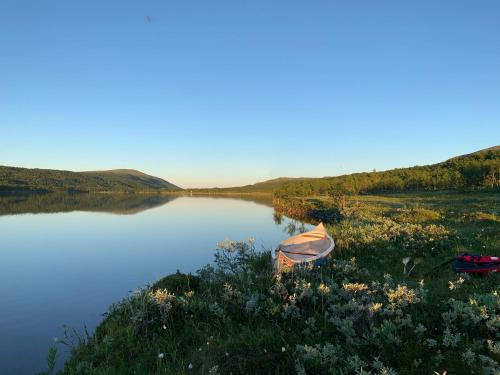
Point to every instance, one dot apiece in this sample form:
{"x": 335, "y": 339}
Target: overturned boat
{"x": 311, "y": 247}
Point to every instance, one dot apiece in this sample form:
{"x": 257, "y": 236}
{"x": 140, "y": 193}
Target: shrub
{"x": 244, "y": 318}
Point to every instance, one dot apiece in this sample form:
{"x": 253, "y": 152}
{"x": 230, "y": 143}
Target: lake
{"x": 66, "y": 258}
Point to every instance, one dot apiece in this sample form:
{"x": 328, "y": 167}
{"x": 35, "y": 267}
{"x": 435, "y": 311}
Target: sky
{"x": 231, "y": 92}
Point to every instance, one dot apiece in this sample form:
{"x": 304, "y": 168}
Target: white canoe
{"x": 313, "y": 246}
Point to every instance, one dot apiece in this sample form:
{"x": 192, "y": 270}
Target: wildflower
{"x": 415, "y": 262}
{"x": 160, "y": 296}
{"x": 306, "y": 290}
{"x": 227, "y": 244}
{"x": 355, "y": 287}
{"x": 402, "y": 296}
{"x": 164, "y": 326}
{"x": 375, "y": 307}
{"x": 323, "y": 289}
{"x": 283, "y": 349}
{"x": 493, "y": 346}
{"x": 405, "y": 262}
{"x": 190, "y": 366}
{"x": 484, "y": 312}
{"x": 161, "y": 355}
{"x": 214, "y": 370}
{"x": 457, "y": 283}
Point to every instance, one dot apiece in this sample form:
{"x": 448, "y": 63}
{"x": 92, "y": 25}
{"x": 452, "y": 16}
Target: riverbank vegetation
{"x": 373, "y": 309}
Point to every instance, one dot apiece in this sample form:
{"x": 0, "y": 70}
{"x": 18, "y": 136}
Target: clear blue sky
{"x": 206, "y": 93}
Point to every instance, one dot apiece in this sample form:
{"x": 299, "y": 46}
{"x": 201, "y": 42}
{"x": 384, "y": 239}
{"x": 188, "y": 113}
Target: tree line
{"x": 480, "y": 170}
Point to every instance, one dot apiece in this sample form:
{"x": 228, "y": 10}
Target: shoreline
{"x": 198, "y": 321}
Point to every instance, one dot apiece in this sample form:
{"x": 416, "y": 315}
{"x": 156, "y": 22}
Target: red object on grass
{"x": 473, "y": 263}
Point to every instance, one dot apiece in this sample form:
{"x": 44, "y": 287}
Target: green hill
{"x": 18, "y": 180}
{"x": 265, "y": 187}
{"x": 478, "y": 170}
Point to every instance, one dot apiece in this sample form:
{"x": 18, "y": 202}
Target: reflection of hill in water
{"x": 120, "y": 204}
{"x": 264, "y": 199}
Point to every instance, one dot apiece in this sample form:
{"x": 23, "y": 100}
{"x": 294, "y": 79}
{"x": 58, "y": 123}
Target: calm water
{"x": 65, "y": 259}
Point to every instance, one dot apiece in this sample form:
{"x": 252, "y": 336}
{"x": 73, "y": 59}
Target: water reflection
{"x": 66, "y": 259}
{"x": 121, "y": 204}
{"x": 294, "y": 227}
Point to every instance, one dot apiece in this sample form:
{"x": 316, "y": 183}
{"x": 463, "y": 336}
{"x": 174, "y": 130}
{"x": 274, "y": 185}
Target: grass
{"x": 364, "y": 312}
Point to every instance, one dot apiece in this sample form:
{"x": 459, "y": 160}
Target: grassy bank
{"x": 365, "y": 312}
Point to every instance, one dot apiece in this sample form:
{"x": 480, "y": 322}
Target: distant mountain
{"x": 265, "y": 187}
{"x": 269, "y": 185}
{"x": 17, "y": 180}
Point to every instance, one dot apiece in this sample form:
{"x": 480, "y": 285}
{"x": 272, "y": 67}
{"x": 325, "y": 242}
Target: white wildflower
{"x": 405, "y": 262}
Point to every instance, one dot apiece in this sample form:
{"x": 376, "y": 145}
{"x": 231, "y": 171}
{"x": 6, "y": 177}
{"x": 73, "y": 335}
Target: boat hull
{"x": 312, "y": 248}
